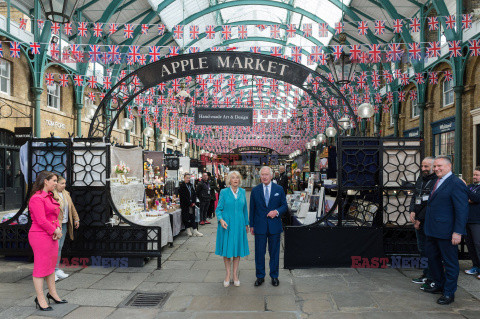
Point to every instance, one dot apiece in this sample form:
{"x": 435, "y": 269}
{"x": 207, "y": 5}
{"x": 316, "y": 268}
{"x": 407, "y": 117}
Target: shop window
{"x": 113, "y": 113}
{"x": 415, "y": 109}
{"x": 53, "y": 96}
{"x": 447, "y": 93}
{"x": 134, "y": 128}
{"x": 5, "y": 76}
{"x": 444, "y": 144}
{"x": 391, "y": 116}
{"x": 441, "y": 36}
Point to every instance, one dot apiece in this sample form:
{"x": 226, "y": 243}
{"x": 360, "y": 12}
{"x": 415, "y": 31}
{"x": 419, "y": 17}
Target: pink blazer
{"x": 44, "y": 211}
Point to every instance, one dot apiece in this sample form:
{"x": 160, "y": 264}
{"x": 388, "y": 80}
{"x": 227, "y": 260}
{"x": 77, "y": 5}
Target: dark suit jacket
{"x": 473, "y": 192}
{"x": 283, "y": 181}
{"x": 202, "y": 191}
{"x": 186, "y": 199}
{"x": 447, "y": 209}
{"x": 259, "y": 210}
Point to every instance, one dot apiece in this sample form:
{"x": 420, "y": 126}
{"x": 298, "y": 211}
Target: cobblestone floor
{"x": 194, "y": 276}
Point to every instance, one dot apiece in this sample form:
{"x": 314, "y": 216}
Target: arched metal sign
{"x": 253, "y": 149}
{"x": 194, "y": 64}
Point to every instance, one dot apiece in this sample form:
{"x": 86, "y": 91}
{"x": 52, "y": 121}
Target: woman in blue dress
{"x": 232, "y": 215}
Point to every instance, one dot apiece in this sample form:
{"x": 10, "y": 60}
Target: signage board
{"x": 223, "y": 116}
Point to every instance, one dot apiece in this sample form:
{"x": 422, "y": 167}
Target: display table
{"x": 162, "y": 221}
{"x": 126, "y": 192}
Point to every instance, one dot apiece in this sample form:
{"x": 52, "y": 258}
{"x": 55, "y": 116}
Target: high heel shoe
{"x": 49, "y": 296}
{"x": 37, "y": 305}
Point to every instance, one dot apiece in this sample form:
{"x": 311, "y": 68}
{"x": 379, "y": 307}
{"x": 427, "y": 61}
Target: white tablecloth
{"x": 132, "y": 191}
{"x": 160, "y": 221}
{"x": 177, "y": 221}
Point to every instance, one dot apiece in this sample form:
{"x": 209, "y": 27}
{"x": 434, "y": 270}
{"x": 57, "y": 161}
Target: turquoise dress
{"x": 232, "y": 242}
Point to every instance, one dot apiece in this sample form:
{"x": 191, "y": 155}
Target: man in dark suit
{"x": 418, "y": 208}
{"x": 187, "y": 195}
{"x": 473, "y": 224}
{"x": 283, "y": 180}
{"x": 445, "y": 220}
{"x": 204, "y": 195}
{"x": 267, "y": 204}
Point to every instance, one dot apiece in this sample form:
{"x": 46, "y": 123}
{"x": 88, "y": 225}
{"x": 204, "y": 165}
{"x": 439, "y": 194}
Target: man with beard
{"x": 418, "y": 207}
{"x": 283, "y": 180}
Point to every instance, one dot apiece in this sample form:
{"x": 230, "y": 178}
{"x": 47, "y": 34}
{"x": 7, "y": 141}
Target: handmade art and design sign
{"x": 223, "y": 116}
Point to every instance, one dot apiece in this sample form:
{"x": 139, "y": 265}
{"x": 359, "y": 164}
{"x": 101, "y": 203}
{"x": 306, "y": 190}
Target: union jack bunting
{"x": 98, "y": 29}
{"x": 414, "y": 25}
{"x": 291, "y": 30}
{"x": 433, "y": 49}
{"x": 49, "y": 78}
{"x": 67, "y": 28}
{"x": 419, "y": 78}
{"x": 307, "y": 30}
{"x": 474, "y": 47}
{"x": 242, "y": 32}
{"x": 63, "y": 79}
{"x": 379, "y": 27}
{"x": 433, "y": 77}
{"x": 466, "y": 21}
{"x": 210, "y": 32}
{"x": 55, "y": 28}
{"x": 397, "y": 26}
{"x": 448, "y": 75}
{"x": 226, "y": 32}
{"x": 339, "y": 27}
{"x": 178, "y": 32}
{"x": 362, "y": 27}
{"x": 323, "y": 30}
{"x": 145, "y": 28}
{"x": 414, "y": 51}
{"x": 454, "y": 48}
{"x": 35, "y": 48}
{"x": 432, "y": 23}
{"x": 82, "y": 29}
{"x": 194, "y": 32}
{"x": 297, "y": 54}
{"x": 154, "y": 53}
{"x": 112, "y": 28}
{"x": 161, "y": 29}
{"x": 450, "y": 21}
{"x": 128, "y": 31}
{"x": 23, "y": 24}
{"x": 275, "y": 31}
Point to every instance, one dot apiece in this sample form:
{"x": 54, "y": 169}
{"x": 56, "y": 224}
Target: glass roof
{"x": 227, "y": 12}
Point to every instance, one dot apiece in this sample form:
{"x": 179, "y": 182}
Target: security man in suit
{"x": 267, "y": 204}
{"x": 283, "y": 180}
{"x": 445, "y": 221}
{"x": 418, "y": 208}
{"x": 473, "y": 224}
{"x": 188, "y": 197}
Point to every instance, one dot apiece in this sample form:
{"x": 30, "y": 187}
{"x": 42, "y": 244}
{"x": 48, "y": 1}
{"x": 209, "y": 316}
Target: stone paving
{"x": 194, "y": 275}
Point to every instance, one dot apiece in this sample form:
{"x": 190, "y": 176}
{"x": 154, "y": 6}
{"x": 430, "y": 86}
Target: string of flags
{"x": 226, "y": 32}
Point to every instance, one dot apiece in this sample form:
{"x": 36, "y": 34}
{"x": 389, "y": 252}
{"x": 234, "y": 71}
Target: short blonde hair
{"x": 229, "y": 176}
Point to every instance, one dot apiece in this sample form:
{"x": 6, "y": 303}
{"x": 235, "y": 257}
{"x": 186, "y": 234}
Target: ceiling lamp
{"x": 184, "y": 101}
{"x": 344, "y": 122}
{"x": 331, "y": 131}
{"x": 58, "y": 11}
{"x": 314, "y": 143}
{"x": 148, "y": 132}
{"x": 365, "y": 110}
{"x": 286, "y": 139}
{"x": 308, "y": 146}
{"x": 126, "y": 124}
{"x": 321, "y": 138}
{"x": 342, "y": 68}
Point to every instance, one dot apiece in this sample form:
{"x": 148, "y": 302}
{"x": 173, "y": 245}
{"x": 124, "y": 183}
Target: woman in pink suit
{"x": 43, "y": 237}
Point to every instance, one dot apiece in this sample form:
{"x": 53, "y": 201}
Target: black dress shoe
{"x": 433, "y": 289}
{"x": 445, "y": 300}
{"x": 275, "y": 282}
{"x": 49, "y": 297}
{"x": 258, "y": 282}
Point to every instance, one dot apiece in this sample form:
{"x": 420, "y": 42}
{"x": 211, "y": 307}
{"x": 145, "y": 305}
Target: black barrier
{"x": 307, "y": 246}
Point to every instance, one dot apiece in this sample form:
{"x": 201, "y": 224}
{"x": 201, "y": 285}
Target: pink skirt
{"x": 45, "y": 253}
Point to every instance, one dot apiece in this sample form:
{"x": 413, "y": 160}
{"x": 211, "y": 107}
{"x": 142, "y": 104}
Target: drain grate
{"x": 146, "y": 300}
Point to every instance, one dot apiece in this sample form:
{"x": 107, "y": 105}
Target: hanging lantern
{"x": 344, "y": 122}
{"x": 126, "y": 124}
{"x": 286, "y": 139}
{"x": 148, "y": 132}
{"x": 321, "y": 138}
{"x": 58, "y": 11}
{"x": 314, "y": 143}
{"x": 308, "y": 146}
{"x": 331, "y": 131}
{"x": 215, "y": 134}
{"x": 365, "y": 110}
{"x": 343, "y": 68}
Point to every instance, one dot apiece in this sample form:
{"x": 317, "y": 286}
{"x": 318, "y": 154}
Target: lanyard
{"x": 475, "y": 188}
